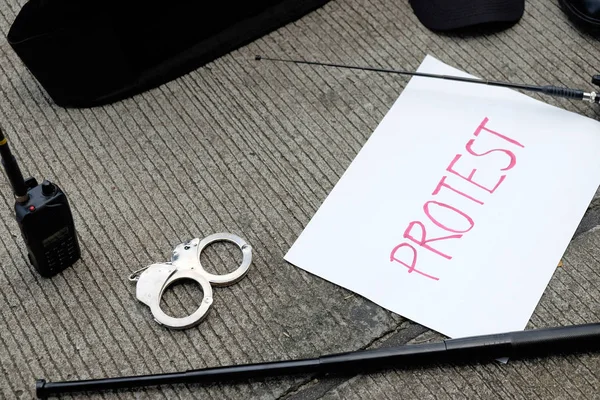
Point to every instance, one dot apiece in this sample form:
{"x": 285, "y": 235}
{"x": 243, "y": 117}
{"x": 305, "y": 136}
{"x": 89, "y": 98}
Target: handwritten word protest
{"x": 451, "y": 219}
{"x": 417, "y": 231}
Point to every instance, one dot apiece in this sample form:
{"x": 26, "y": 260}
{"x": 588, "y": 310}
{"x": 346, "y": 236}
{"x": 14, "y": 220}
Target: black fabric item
{"x": 447, "y": 15}
{"x": 92, "y": 52}
{"x": 584, "y": 13}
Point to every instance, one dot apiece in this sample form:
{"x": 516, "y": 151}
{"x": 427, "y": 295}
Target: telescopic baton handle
{"x": 521, "y": 344}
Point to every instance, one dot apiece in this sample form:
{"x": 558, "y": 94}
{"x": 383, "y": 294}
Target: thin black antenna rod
{"x": 13, "y": 172}
{"x": 548, "y": 89}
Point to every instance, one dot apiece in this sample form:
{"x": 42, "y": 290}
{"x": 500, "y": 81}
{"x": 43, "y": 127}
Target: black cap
{"x": 40, "y": 389}
{"x": 445, "y": 15}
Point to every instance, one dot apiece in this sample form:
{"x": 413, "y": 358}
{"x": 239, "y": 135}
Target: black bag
{"x": 93, "y": 52}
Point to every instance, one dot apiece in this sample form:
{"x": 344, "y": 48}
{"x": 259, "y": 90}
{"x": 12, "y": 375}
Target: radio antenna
{"x": 13, "y": 172}
{"x": 550, "y": 90}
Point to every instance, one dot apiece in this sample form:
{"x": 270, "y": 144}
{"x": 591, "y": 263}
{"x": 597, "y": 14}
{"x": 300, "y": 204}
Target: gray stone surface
{"x": 254, "y": 148}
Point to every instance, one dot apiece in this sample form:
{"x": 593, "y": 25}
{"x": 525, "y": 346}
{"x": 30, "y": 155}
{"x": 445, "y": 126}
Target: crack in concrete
{"x": 313, "y": 388}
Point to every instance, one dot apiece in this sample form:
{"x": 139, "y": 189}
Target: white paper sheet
{"x": 537, "y": 169}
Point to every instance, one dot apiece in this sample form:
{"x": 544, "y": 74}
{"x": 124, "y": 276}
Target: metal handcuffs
{"x": 153, "y": 280}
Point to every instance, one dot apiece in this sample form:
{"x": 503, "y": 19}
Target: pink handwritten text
{"x": 416, "y": 232}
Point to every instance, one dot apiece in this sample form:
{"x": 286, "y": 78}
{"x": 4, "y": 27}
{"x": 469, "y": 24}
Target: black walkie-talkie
{"x": 44, "y": 217}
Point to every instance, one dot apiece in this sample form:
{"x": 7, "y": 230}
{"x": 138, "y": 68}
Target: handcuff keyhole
{"x": 182, "y": 298}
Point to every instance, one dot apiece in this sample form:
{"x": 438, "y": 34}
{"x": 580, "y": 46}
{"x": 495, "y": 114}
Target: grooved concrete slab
{"x": 254, "y": 148}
